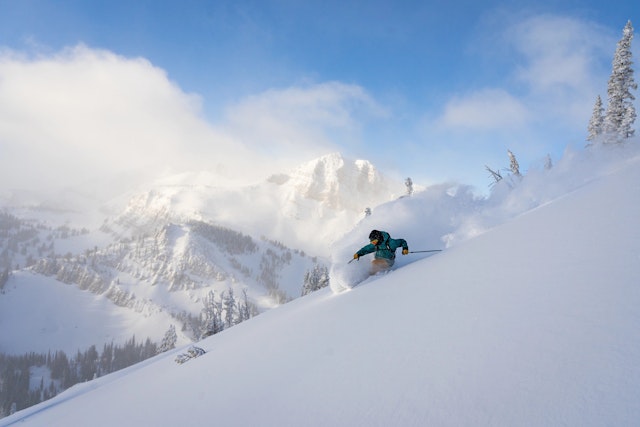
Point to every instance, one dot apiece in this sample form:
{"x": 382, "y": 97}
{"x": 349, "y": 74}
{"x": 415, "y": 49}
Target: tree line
{"x": 17, "y": 390}
{"x": 23, "y": 241}
{"x": 60, "y": 371}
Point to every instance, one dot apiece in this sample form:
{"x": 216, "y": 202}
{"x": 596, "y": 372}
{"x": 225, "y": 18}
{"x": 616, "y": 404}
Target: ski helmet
{"x": 375, "y": 235}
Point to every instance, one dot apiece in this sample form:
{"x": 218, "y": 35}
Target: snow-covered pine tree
{"x": 230, "y": 315}
{"x": 620, "y": 115}
{"x": 409, "y": 184}
{"x": 307, "y": 284}
{"x": 169, "y": 340}
{"x": 513, "y": 164}
{"x": 4, "y": 278}
{"x": 244, "y": 307}
{"x": 211, "y": 315}
{"x": 315, "y": 279}
{"x": 596, "y": 123}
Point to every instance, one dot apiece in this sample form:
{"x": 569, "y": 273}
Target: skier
{"x": 385, "y": 250}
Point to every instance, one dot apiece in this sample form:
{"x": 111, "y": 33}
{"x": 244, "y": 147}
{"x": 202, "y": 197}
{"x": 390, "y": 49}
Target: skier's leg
{"x": 380, "y": 264}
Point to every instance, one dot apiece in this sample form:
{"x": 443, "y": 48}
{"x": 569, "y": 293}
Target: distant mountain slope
{"x": 533, "y": 321}
{"x": 160, "y": 279}
{"x": 170, "y": 245}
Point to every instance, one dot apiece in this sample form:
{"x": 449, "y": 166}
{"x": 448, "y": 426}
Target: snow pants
{"x": 381, "y": 264}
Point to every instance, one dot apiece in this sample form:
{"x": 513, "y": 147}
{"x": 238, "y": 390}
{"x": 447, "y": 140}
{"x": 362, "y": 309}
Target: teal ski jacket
{"x": 384, "y": 249}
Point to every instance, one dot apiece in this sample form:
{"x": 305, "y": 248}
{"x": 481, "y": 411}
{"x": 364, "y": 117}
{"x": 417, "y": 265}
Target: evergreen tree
{"x": 88, "y": 363}
{"x": 169, "y": 340}
{"x": 106, "y": 360}
{"x": 315, "y": 279}
{"x": 212, "y": 316}
{"x": 596, "y": 123}
{"x": 18, "y": 391}
{"x": 409, "y": 184}
{"x": 244, "y": 307}
{"x": 514, "y": 166}
{"x": 621, "y": 114}
{"x": 4, "y": 278}
{"x": 229, "y": 308}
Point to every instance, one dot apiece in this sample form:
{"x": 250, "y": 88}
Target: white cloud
{"x": 546, "y": 71}
{"x": 485, "y": 110}
{"x": 565, "y": 64}
{"x": 84, "y": 114}
{"x": 560, "y": 52}
{"x": 302, "y": 120}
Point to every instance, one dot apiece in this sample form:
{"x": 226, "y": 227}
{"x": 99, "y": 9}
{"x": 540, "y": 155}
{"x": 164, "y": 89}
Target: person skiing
{"x": 385, "y": 250}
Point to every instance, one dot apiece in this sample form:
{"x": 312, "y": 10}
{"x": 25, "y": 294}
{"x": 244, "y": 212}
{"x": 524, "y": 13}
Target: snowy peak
{"x": 303, "y": 208}
{"x": 339, "y": 184}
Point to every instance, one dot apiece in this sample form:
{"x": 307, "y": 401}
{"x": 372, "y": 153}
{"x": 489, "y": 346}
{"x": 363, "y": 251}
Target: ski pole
{"x": 419, "y": 252}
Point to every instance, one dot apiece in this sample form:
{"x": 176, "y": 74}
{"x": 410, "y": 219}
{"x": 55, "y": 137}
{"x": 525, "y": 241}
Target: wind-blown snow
{"x": 529, "y": 317}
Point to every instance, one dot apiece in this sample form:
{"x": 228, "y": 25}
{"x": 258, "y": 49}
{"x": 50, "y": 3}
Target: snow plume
{"x": 423, "y": 220}
{"x": 513, "y": 196}
{"x": 445, "y": 215}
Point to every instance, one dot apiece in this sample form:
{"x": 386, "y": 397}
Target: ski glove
{"x": 356, "y": 256}
{"x": 405, "y": 251}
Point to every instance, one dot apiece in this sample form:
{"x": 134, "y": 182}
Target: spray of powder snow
{"x": 423, "y": 220}
{"x": 345, "y": 275}
{"x": 447, "y": 214}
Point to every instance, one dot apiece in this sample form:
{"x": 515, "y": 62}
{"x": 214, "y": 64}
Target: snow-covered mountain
{"x": 307, "y": 208}
{"x": 529, "y": 317}
{"x": 153, "y": 261}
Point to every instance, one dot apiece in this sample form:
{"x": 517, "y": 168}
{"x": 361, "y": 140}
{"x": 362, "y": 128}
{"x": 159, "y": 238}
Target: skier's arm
{"x": 365, "y": 250}
{"x": 403, "y": 243}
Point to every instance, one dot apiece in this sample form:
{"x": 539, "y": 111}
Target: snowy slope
{"x": 141, "y": 287}
{"x": 39, "y": 314}
{"x": 532, "y": 321}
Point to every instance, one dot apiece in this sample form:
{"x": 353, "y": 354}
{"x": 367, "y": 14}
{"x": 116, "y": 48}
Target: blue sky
{"x": 434, "y": 90}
